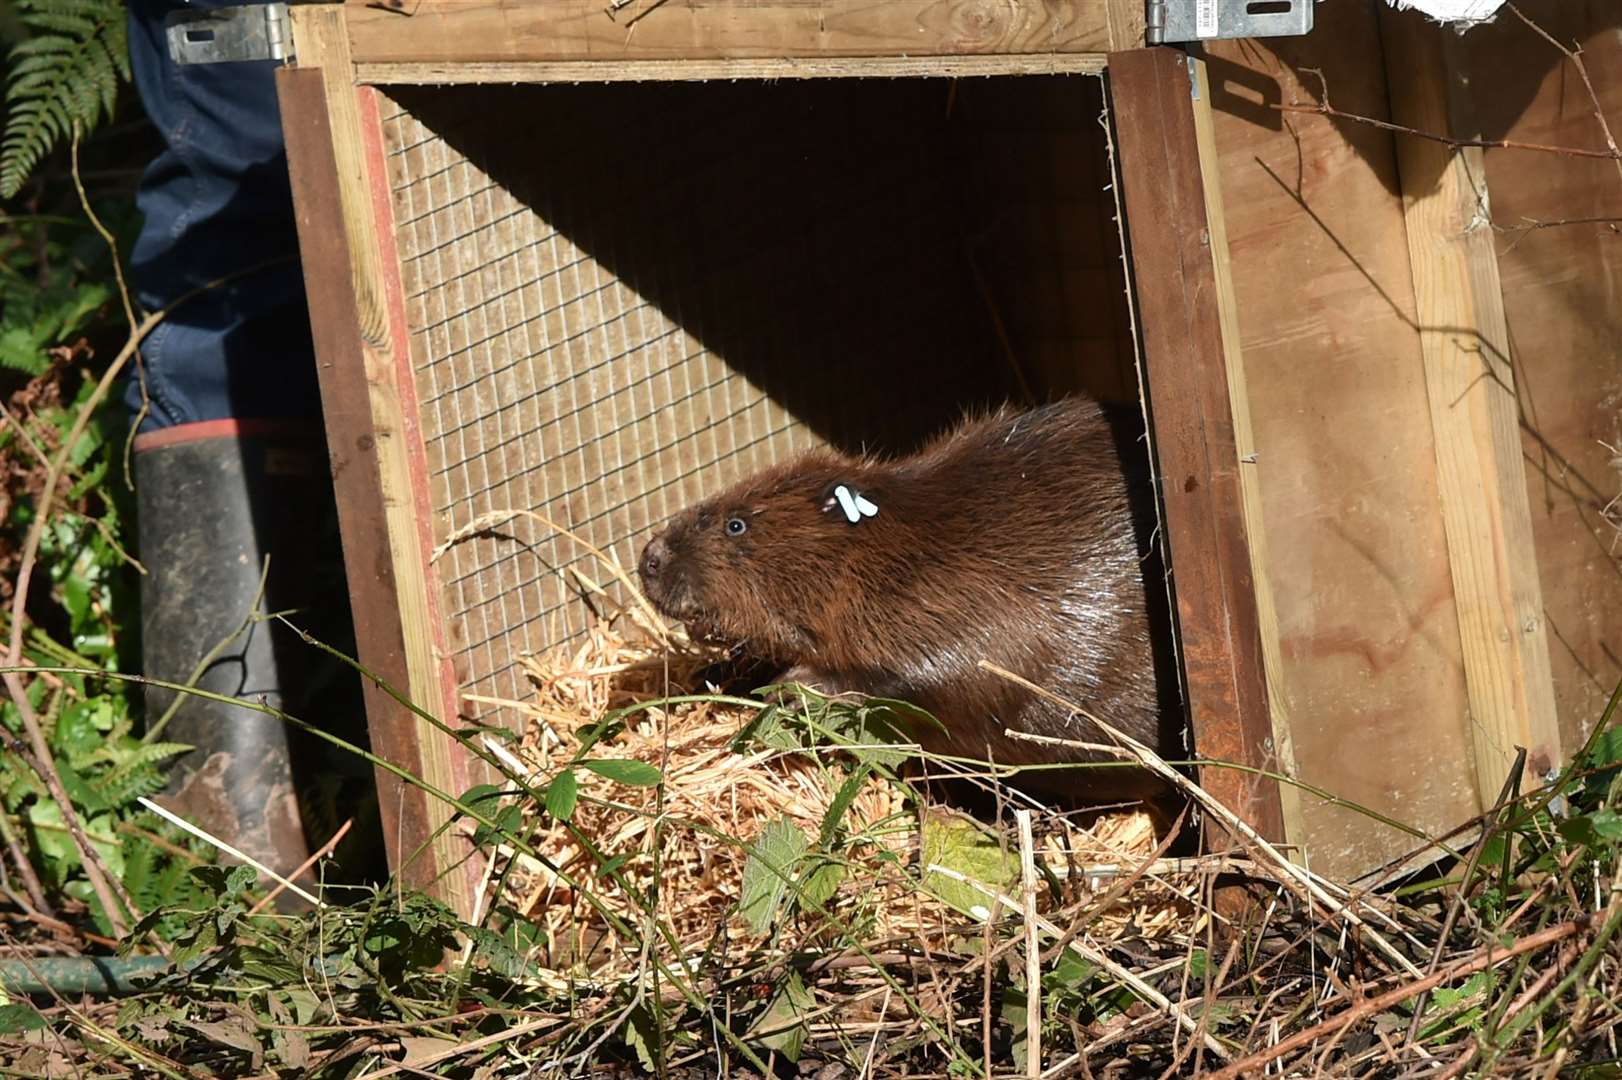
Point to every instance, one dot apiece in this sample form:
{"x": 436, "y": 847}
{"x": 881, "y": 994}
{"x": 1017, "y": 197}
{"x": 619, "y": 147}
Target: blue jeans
{"x": 216, "y": 203}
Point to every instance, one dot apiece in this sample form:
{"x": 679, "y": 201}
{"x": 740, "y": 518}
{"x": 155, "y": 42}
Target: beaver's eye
{"x": 737, "y": 526}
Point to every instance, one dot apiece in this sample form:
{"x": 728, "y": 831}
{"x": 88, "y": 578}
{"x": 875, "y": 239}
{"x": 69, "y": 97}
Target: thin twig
{"x": 1092, "y": 956}
{"x": 1033, "y": 946}
{"x": 1295, "y": 877}
{"x": 320, "y": 853}
{"x": 1574, "y": 54}
{"x": 1487, "y": 958}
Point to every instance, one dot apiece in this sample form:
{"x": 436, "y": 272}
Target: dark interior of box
{"x": 589, "y": 269}
{"x": 877, "y": 255}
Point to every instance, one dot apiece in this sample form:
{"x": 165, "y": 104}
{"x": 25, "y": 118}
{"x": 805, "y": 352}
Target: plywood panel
{"x": 1371, "y": 679}
{"x": 1563, "y": 303}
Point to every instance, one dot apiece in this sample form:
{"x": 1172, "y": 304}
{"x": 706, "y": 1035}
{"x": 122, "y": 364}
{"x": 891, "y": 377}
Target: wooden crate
{"x": 597, "y": 302}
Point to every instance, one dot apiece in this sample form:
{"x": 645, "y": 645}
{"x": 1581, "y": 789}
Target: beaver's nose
{"x": 655, "y": 557}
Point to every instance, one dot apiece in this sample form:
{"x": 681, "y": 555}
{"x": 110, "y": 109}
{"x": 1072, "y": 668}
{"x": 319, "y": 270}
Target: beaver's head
{"x": 771, "y": 563}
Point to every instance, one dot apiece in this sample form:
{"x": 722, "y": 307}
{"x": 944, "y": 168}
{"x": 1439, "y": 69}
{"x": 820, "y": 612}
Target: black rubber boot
{"x": 215, "y": 498}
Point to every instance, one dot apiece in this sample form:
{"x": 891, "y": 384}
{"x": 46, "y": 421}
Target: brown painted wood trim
{"x": 351, "y": 442}
{"x": 1175, "y": 280}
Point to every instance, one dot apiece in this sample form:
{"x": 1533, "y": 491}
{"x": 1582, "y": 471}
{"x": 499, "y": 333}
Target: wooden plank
{"x": 1127, "y": 19}
{"x": 602, "y": 31}
{"x": 451, "y": 72}
{"x": 1565, "y": 316}
{"x": 398, "y": 514}
{"x": 1183, "y": 358}
{"x": 351, "y": 438}
{"x": 1474, "y": 411}
{"x": 1280, "y": 753}
{"x": 1371, "y": 679}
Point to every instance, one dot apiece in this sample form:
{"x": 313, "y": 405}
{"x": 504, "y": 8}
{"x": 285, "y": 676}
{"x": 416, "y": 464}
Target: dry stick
{"x": 1301, "y": 882}
{"x": 1093, "y": 956}
{"x": 1033, "y": 946}
{"x": 1575, "y": 56}
{"x": 1487, "y": 958}
{"x": 322, "y": 852}
{"x": 209, "y": 838}
{"x": 1511, "y": 782}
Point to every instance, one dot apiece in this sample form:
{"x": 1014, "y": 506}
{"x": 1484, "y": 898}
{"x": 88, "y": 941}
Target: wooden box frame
{"x": 1175, "y": 155}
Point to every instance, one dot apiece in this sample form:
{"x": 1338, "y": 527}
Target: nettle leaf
{"x": 783, "y": 1024}
{"x": 235, "y": 1031}
{"x": 960, "y": 845}
{"x": 1595, "y": 829}
{"x": 840, "y": 805}
{"x": 225, "y": 882}
{"x": 507, "y": 823}
{"x": 642, "y": 1037}
{"x": 768, "y": 872}
{"x": 625, "y": 771}
{"x": 820, "y": 880}
{"x": 562, "y": 795}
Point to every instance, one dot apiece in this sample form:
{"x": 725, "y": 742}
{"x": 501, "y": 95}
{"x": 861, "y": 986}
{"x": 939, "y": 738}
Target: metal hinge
{"x": 1169, "y": 21}
{"x": 223, "y": 35}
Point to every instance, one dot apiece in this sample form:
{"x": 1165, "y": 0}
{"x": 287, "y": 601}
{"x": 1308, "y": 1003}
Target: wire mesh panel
{"x": 547, "y": 384}
{"x": 623, "y": 298}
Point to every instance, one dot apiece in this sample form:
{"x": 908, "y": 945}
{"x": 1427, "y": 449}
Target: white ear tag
{"x": 855, "y": 506}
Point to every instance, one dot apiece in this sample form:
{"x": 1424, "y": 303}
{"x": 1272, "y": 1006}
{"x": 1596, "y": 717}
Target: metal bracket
{"x": 229, "y": 34}
{"x": 1205, "y": 20}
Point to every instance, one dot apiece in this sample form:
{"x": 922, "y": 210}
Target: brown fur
{"x": 1019, "y": 538}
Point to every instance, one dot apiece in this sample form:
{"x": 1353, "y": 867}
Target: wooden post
{"x": 1475, "y": 415}
{"x": 1186, "y": 360}
{"x": 357, "y": 319}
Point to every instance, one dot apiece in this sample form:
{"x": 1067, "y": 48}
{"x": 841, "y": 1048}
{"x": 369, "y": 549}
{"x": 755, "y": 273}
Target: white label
{"x": 1205, "y": 18}
{"x": 1465, "y": 11}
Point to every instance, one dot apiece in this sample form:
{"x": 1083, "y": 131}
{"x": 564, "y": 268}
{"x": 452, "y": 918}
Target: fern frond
{"x": 67, "y": 74}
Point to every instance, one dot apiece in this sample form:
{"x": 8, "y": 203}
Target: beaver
{"x": 1022, "y": 538}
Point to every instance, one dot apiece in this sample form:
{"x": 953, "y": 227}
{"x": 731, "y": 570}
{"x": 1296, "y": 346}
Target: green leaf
{"x": 562, "y": 795}
{"x": 768, "y": 871}
{"x": 481, "y": 797}
{"x": 840, "y": 805}
{"x": 18, "y": 1017}
{"x": 642, "y": 1036}
{"x": 1594, "y": 830}
{"x": 1071, "y": 972}
{"x": 1607, "y": 747}
{"x": 783, "y": 1024}
{"x": 225, "y": 882}
{"x": 820, "y": 880}
{"x": 625, "y": 771}
{"x": 960, "y": 845}
{"x": 1012, "y": 1011}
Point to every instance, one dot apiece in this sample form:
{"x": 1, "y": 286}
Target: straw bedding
{"x": 717, "y": 797}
